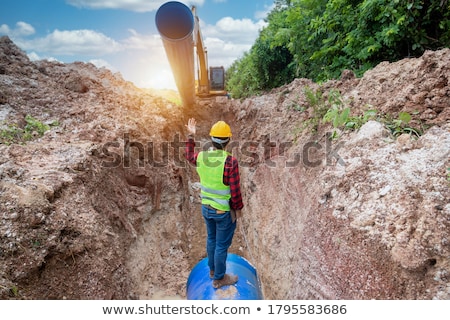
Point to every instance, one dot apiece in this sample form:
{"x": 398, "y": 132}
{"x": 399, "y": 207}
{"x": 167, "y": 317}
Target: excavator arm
{"x": 202, "y": 57}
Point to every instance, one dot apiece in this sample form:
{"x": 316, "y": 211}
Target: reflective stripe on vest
{"x": 221, "y": 192}
{"x": 210, "y": 167}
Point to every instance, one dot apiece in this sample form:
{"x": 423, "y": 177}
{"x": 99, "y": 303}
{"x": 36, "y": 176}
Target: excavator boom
{"x": 203, "y": 81}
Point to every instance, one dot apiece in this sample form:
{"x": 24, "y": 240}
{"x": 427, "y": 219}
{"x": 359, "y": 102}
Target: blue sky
{"x": 121, "y": 34}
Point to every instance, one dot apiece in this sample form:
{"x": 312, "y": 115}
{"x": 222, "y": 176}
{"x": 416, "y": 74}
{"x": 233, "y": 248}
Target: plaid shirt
{"x": 231, "y": 175}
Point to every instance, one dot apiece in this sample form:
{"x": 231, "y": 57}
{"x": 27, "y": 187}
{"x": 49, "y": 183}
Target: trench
{"x": 137, "y": 230}
{"x": 298, "y": 249}
{"x": 171, "y": 238}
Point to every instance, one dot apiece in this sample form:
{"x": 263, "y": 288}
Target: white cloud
{"x": 73, "y": 42}
{"x": 234, "y": 30}
{"x": 223, "y": 53}
{"x": 229, "y": 38}
{"x": 100, "y": 63}
{"x": 24, "y": 29}
{"x": 21, "y": 29}
{"x": 132, "y": 5}
{"x": 190, "y": 3}
{"x": 142, "y": 42}
{"x": 4, "y": 29}
{"x": 263, "y": 14}
{"x": 33, "y": 56}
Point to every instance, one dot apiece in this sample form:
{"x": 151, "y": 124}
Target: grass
{"x": 401, "y": 125}
{"x": 319, "y": 105}
{"x": 33, "y": 128}
{"x": 335, "y": 110}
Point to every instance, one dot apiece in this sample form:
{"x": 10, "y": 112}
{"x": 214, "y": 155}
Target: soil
{"x": 104, "y": 205}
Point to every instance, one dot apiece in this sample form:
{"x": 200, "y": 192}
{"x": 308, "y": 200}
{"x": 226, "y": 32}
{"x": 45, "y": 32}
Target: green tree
{"x": 241, "y": 79}
{"x": 296, "y": 35}
{"x": 267, "y": 65}
{"x": 317, "y": 39}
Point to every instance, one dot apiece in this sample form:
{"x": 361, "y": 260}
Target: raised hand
{"x": 191, "y": 126}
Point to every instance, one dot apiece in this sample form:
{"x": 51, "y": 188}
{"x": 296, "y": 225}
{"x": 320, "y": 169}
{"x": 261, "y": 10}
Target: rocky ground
{"x": 103, "y": 206}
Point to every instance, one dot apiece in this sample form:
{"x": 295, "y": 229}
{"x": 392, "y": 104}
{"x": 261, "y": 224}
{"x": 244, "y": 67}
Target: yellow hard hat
{"x": 220, "y": 129}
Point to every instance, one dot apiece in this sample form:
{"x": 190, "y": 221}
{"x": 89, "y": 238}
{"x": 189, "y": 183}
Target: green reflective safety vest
{"x": 210, "y": 168}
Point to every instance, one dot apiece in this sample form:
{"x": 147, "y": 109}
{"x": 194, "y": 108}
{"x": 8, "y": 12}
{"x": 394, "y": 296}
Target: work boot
{"x": 225, "y": 281}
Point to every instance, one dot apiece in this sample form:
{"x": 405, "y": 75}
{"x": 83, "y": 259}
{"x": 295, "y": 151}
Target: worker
{"x": 221, "y": 197}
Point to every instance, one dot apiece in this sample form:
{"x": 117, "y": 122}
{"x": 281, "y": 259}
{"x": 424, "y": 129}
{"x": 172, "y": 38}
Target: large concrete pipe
{"x": 175, "y": 24}
{"x": 199, "y": 284}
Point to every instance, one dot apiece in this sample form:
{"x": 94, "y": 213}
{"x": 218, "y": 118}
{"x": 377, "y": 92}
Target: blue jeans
{"x": 220, "y": 232}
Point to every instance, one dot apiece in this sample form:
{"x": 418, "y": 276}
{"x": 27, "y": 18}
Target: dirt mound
{"x": 75, "y": 199}
{"x": 362, "y": 216}
{"x": 97, "y": 201}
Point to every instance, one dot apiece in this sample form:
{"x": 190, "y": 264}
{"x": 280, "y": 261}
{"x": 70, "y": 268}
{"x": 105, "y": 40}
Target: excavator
{"x": 179, "y": 28}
